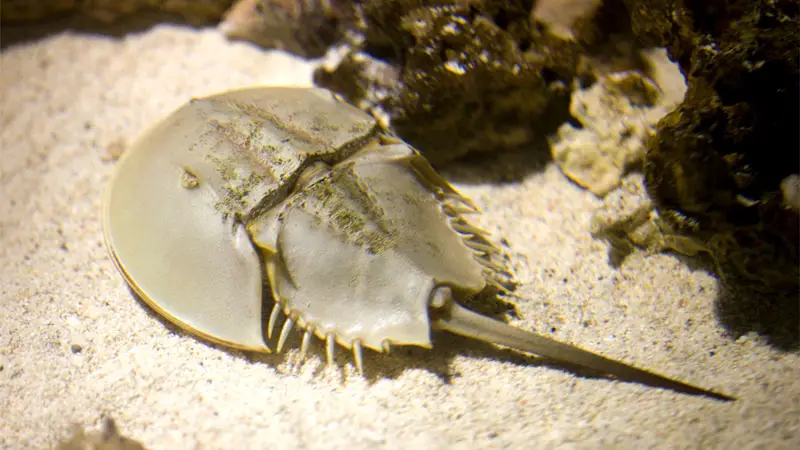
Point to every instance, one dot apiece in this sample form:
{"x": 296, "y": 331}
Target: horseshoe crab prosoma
{"x": 361, "y": 243}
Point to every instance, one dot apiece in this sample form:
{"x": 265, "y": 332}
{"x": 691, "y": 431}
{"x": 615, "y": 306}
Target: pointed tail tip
{"x": 721, "y": 397}
{"x": 459, "y": 320}
{"x": 658, "y": 381}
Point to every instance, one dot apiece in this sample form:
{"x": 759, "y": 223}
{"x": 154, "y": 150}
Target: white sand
{"x": 69, "y": 99}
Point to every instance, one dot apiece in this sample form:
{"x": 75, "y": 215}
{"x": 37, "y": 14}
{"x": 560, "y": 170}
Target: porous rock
{"x": 616, "y": 116}
{"x": 716, "y": 166}
{"x": 455, "y": 77}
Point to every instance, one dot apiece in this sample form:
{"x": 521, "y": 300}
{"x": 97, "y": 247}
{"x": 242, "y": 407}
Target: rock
{"x": 458, "y": 77}
{"x": 108, "y": 11}
{"x": 305, "y": 28}
{"x": 617, "y": 115}
{"x": 716, "y": 166}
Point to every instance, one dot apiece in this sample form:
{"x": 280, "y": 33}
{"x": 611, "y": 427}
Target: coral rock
{"x": 461, "y": 77}
{"x": 617, "y": 115}
{"x": 716, "y": 167}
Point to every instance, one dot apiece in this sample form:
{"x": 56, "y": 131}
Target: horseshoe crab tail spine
{"x": 489, "y": 264}
{"x": 459, "y": 320}
{"x": 287, "y": 327}
{"x": 358, "y": 356}
{"x": 329, "y": 342}
{"x": 481, "y": 247}
{"x": 273, "y": 318}
{"x": 306, "y": 341}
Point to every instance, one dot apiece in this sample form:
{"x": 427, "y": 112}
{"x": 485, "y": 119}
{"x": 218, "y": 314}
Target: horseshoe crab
{"x": 361, "y": 243}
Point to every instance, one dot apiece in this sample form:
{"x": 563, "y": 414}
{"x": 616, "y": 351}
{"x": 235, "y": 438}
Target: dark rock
{"x": 456, "y": 77}
{"x": 716, "y": 166}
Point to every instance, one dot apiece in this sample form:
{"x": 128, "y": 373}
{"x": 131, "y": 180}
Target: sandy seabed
{"x": 75, "y": 344}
